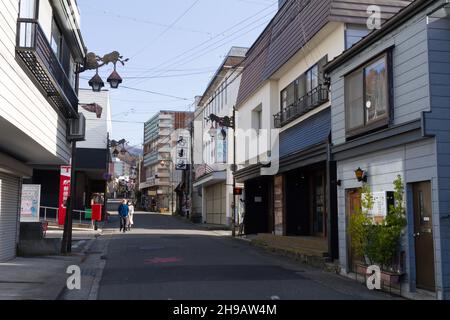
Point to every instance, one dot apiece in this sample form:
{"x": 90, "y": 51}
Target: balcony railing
{"x": 311, "y": 100}
{"x": 36, "y": 53}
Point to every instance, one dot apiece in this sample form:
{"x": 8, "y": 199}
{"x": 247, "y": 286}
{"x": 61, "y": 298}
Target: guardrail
{"x": 49, "y": 217}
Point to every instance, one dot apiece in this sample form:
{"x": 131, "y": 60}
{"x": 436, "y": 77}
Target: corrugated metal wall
{"x": 306, "y": 134}
{"x": 9, "y": 211}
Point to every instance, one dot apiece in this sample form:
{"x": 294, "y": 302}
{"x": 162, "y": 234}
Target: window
{"x": 27, "y": 9}
{"x": 367, "y": 97}
{"x": 288, "y": 96}
{"x": 304, "y": 84}
{"x": 56, "y": 40}
{"x": 312, "y": 78}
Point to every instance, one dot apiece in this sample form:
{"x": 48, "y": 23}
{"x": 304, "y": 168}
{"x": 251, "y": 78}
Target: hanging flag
{"x": 93, "y": 107}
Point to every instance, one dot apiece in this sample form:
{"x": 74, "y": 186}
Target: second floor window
{"x": 367, "y": 97}
{"x": 56, "y": 40}
{"x": 303, "y": 85}
{"x": 27, "y": 9}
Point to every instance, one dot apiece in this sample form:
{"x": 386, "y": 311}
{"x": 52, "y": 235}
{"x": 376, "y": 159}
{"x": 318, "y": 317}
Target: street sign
{"x": 182, "y": 153}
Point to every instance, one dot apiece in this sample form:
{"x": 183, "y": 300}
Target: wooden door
{"x": 353, "y": 206}
{"x": 423, "y": 235}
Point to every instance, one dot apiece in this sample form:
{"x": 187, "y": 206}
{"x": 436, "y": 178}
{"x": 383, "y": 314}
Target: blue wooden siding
{"x": 438, "y": 123}
{"x": 307, "y": 133}
{"x": 354, "y": 33}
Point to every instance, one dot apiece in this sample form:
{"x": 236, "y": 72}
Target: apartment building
{"x": 214, "y": 146}
{"x": 40, "y": 47}
{"x": 158, "y": 188}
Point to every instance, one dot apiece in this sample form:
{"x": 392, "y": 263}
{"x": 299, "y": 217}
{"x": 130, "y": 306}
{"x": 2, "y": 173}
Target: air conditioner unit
{"x": 76, "y": 129}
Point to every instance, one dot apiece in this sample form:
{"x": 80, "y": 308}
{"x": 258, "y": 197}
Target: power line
{"x": 156, "y": 93}
{"x": 198, "y": 46}
{"x": 166, "y": 29}
{"x": 138, "y": 20}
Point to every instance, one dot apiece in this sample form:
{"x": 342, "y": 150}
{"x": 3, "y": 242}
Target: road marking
{"x": 275, "y": 298}
{"x": 158, "y": 260}
{"x": 79, "y": 243}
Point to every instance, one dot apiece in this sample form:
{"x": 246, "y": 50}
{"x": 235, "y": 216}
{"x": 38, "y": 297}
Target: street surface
{"x": 164, "y": 258}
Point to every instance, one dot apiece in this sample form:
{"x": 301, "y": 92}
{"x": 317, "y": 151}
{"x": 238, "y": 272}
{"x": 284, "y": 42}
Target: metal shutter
{"x": 9, "y": 211}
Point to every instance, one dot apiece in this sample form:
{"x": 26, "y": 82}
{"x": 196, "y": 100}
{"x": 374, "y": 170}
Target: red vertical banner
{"x": 64, "y": 193}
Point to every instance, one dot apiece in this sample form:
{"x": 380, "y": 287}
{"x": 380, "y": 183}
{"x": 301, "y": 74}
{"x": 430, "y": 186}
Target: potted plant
{"x": 378, "y": 242}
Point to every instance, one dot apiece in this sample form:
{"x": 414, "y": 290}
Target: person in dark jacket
{"x": 123, "y": 215}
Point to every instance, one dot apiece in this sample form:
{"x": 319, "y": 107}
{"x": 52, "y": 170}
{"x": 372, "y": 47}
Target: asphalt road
{"x": 165, "y": 258}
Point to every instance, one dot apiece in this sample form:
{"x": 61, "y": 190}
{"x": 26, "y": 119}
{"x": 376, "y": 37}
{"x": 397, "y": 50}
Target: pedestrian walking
{"x": 123, "y": 215}
{"x": 130, "y": 215}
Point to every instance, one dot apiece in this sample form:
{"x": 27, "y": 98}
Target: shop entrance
{"x": 306, "y": 202}
{"x": 258, "y": 206}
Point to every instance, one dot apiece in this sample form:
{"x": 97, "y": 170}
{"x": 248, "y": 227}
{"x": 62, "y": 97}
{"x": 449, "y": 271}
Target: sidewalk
{"x": 42, "y": 278}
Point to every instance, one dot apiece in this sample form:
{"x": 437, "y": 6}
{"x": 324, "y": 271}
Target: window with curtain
{"x": 367, "y": 97}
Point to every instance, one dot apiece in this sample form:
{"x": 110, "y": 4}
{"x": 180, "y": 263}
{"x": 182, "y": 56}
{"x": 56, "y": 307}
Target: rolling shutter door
{"x": 9, "y": 211}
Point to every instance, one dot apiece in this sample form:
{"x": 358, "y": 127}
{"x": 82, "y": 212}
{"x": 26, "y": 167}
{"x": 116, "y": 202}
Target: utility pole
{"x": 233, "y": 221}
{"x": 66, "y": 244}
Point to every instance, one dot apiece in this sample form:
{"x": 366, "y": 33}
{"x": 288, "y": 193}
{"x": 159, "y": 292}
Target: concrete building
{"x": 398, "y": 124}
{"x": 214, "y": 153}
{"x": 40, "y": 47}
{"x": 158, "y": 187}
{"x": 93, "y": 156}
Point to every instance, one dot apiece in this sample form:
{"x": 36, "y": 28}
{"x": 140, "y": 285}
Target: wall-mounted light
{"x": 361, "y": 175}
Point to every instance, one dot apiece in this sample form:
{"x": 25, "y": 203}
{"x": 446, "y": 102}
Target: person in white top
{"x": 130, "y": 215}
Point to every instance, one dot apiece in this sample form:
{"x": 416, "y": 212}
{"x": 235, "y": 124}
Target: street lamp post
{"x": 228, "y": 122}
{"x": 91, "y": 62}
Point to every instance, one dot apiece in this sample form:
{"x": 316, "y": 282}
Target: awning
{"x": 211, "y": 178}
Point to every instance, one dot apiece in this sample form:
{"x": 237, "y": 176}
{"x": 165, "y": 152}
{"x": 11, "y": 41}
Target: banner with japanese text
{"x": 64, "y": 193}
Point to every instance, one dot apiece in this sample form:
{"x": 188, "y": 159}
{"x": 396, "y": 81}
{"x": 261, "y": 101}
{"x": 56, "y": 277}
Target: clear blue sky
{"x": 156, "y": 36}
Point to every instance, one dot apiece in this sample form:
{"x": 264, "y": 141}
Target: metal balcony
{"x": 36, "y": 53}
{"x": 311, "y": 100}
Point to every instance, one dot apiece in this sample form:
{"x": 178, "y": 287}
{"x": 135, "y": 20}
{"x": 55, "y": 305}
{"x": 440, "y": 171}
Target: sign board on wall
{"x": 64, "y": 193}
{"x": 30, "y": 203}
{"x": 381, "y": 202}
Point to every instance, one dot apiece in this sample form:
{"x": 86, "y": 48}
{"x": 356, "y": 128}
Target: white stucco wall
{"x": 96, "y": 129}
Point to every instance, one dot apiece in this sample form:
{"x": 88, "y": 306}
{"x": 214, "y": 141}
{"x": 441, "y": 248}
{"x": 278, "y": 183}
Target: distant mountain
{"x": 135, "y": 151}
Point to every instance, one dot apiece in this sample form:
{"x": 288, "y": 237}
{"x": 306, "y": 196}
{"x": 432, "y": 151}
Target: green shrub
{"x": 378, "y": 243}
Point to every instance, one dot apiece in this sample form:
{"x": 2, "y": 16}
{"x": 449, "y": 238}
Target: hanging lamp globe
{"x": 96, "y": 83}
{"x": 114, "y": 80}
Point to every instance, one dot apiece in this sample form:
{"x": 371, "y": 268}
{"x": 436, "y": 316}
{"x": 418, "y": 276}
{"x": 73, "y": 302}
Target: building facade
{"x": 93, "y": 156}
{"x": 285, "y": 119}
{"x": 214, "y": 144}
{"x": 157, "y": 189}
{"x": 40, "y": 48}
{"x": 390, "y": 111}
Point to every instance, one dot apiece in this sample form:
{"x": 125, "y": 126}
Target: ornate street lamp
{"x": 96, "y": 83}
{"x": 94, "y": 62}
{"x": 114, "y": 79}
{"x": 227, "y": 122}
